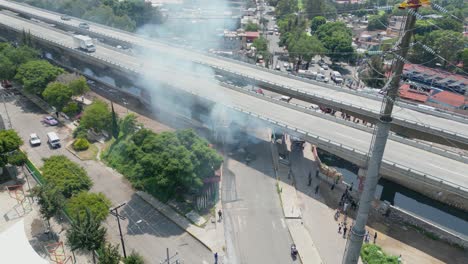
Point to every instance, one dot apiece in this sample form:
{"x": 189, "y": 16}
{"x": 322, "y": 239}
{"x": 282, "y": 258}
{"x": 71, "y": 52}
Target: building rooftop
{"x": 252, "y": 34}
{"x": 406, "y": 92}
{"x": 447, "y": 98}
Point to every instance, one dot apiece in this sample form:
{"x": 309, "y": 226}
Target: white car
{"x": 34, "y": 140}
{"x": 325, "y": 66}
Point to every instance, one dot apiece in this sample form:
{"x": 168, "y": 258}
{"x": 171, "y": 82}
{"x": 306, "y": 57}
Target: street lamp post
{"x": 114, "y": 211}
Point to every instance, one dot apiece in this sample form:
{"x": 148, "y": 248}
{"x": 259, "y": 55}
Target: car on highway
{"x": 66, "y": 17}
{"x": 285, "y": 98}
{"x": 84, "y": 26}
{"x": 34, "y": 140}
{"x": 50, "y": 121}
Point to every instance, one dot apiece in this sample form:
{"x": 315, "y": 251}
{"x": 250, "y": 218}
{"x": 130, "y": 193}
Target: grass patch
{"x": 35, "y": 172}
{"x": 89, "y": 154}
{"x": 106, "y": 148}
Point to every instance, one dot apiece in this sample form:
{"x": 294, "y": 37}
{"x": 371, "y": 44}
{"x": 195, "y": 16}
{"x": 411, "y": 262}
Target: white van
{"x": 336, "y": 77}
{"x": 53, "y": 140}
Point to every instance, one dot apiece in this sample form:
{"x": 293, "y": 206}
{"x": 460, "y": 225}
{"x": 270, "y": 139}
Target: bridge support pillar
{"x": 361, "y": 178}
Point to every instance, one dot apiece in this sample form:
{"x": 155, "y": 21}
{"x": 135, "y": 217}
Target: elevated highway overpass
{"x": 414, "y": 167}
{"x": 408, "y": 119}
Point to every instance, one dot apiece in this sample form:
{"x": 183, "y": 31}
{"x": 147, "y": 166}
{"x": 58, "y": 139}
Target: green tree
{"x": 86, "y": 233}
{"x": 68, "y": 177}
{"x": 79, "y": 86}
{"x": 71, "y": 109}
{"x": 35, "y": 75}
{"x": 374, "y": 75}
{"x": 97, "y": 116}
{"x": 317, "y": 22}
{"x": 373, "y": 254}
{"x": 251, "y": 27}
{"x": 109, "y": 254}
{"x": 314, "y": 8}
{"x": 465, "y": 59}
{"x": 337, "y": 39}
{"x": 7, "y": 68}
{"x": 57, "y": 94}
{"x": 134, "y": 258}
{"x": 305, "y": 47}
{"x": 128, "y": 124}
{"x": 447, "y": 43}
{"x": 97, "y": 203}
{"x": 115, "y": 122}
{"x": 20, "y": 55}
{"x": 261, "y": 44}
{"x": 10, "y": 142}
{"x": 286, "y": 7}
{"x": 378, "y": 22}
{"x": 50, "y": 200}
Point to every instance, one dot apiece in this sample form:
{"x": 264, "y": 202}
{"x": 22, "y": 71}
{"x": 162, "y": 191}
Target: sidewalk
{"x": 308, "y": 252}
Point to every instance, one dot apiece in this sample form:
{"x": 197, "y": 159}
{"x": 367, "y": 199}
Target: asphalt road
{"x": 196, "y": 80}
{"x": 254, "y": 227}
{"x": 187, "y": 54}
{"x": 150, "y": 236}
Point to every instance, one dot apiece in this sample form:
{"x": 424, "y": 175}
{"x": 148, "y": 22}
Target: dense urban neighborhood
{"x": 234, "y": 131}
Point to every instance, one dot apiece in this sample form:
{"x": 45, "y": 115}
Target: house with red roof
{"x": 449, "y": 100}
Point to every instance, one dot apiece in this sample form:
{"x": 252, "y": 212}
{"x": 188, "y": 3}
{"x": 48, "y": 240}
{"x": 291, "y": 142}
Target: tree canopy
{"x": 317, "y": 22}
{"x": 97, "y": 116}
{"x": 251, "y": 27}
{"x": 36, "y": 74}
{"x": 314, "y": 8}
{"x": 10, "y": 142}
{"x": 68, "y": 177}
{"x": 134, "y": 258}
{"x": 337, "y": 39}
{"x": 50, "y": 199}
{"x": 97, "y": 203}
{"x": 86, "y": 233}
{"x": 378, "y": 22}
{"x": 57, "y": 95}
{"x": 305, "y": 47}
{"x": 373, "y": 76}
{"x": 166, "y": 163}
{"x": 79, "y": 86}
{"x": 123, "y": 14}
{"x": 11, "y": 58}
{"x": 109, "y": 254}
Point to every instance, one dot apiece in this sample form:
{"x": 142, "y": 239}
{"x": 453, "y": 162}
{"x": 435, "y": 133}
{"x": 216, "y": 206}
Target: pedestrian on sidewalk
{"x": 216, "y": 257}
{"x": 333, "y": 186}
{"x": 345, "y": 229}
{"x": 317, "y": 189}
{"x": 366, "y": 236}
{"x": 375, "y": 236}
{"x": 289, "y": 173}
{"x": 220, "y": 215}
{"x": 339, "y": 228}
{"x": 351, "y": 188}
{"x": 317, "y": 174}
{"x": 310, "y": 178}
{"x": 400, "y": 260}
{"x": 350, "y": 228}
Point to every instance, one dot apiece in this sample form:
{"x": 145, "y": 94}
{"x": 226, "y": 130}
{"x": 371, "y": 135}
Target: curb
{"x": 141, "y": 195}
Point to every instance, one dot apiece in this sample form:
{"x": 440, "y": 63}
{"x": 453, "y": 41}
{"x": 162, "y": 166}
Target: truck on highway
{"x": 84, "y": 43}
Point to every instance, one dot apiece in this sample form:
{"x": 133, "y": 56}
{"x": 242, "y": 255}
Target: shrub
{"x": 97, "y": 203}
{"x": 81, "y": 144}
{"x": 373, "y": 254}
{"x": 71, "y": 109}
{"x": 80, "y": 132}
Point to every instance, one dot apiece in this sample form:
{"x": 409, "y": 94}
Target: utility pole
{"x": 377, "y": 147}
{"x": 114, "y": 211}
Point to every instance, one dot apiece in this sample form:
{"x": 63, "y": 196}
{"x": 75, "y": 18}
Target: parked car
{"x": 285, "y": 98}
{"x": 278, "y": 67}
{"x": 325, "y": 66}
{"x": 84, "y": 26}
{"x": 34, "y": 140}
{"x": 65, "y": 17}
{"x": 50, "y": 121}
{"x": 53, "y": 140}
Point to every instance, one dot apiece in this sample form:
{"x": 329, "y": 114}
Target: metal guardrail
{"x": 321, "y": 141}
{"x": 304, "y": 109}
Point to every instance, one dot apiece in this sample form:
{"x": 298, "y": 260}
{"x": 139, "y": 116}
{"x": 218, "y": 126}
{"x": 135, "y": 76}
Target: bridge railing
{"x": 354, "y": 155}
{"x": 334, "y": 87}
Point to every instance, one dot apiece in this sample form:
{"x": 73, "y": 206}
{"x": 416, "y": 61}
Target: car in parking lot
{"x": 50, "y": 121}
{"x": 66, "y": 17}
{"x": 34, "y": 140}
{"x": 84, "y": 26}
{"x": 325, "y": 66}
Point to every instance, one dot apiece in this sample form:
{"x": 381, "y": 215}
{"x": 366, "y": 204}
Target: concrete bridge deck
{"x": 444, "y": 126}
{"x": 401, "y": 160}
